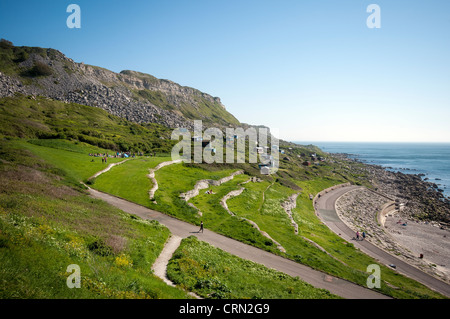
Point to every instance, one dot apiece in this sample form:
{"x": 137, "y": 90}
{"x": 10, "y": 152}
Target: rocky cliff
{"x": 135, "y": 96}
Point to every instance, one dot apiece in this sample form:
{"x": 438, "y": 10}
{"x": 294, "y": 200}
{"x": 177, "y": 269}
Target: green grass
{"x": 129, "y": 180}
{"x": 216, "y": 218}
{"x": 47, "y": 224}
{"x": 77, "y": 165}
{"x": 43, "y": 169}
{"x": 43, "y": 118}
{"x": 176, "y": 179}
{"x": 349, "y": 263}
{"x": 213, "y": 273}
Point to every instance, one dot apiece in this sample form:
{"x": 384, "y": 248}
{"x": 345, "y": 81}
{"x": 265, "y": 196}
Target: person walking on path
{"x": 201, "y": 227}
{"x": 357, "y": 235}
{"x": 363, "y": 235}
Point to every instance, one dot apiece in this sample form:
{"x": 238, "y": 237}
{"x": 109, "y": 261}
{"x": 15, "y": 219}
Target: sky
{"x": 312, "y": 70}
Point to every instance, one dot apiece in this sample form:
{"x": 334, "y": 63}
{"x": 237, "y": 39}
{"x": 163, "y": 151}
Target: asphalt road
{"x": 325, "y": 206}
{"x": 182, "y": 229}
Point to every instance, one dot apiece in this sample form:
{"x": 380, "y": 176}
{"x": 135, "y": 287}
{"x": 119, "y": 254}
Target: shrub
{"x": 100, "y": 248}
{"x": 21, "y": 56}
{"x": 40, "y": 69}
{"x": 5, "y": 44}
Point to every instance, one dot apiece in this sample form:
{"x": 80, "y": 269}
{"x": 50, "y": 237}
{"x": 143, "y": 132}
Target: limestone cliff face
{"x": 132, "y": 95}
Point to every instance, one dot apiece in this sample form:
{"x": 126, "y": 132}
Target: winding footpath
{"x": 106, "y": 169}
{"x": 238, "y": 192}
{"x": 182, "y": 229}
{"x": 151, "y": 175}
{"x": 325, "y": 206}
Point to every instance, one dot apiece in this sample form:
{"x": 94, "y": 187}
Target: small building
{"x": 307, "y": 163}
{"x": 259, "y": 150}
{"x": 265, "y": 170}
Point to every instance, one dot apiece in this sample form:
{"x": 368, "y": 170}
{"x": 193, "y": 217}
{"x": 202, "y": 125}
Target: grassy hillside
{"x": 43, "y": 118}
{"x": 212, "y": 273}
{"x": 341, "y": 258}
{"x": 47, "y": 223}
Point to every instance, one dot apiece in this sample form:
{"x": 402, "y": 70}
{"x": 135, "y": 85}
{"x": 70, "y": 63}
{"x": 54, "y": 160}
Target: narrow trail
{"x": 160, "y": 265}
{"x": 288, "y": 206}
{"x": 204, "y": 184}
{"x": 180, "y": 229}
{"x": 238, "y": 192}
{"x": 151, "y": 175}
{"x": 107, "y": 169}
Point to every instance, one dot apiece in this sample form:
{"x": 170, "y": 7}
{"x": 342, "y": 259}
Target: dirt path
{"x": 182, "y": 229}
{"x": 151, "y": 175}
{"x": 238, "y": 192}
{"x": 160, "y": 265}
{"x": 288, "y": 206}
{"x": 107, "y": 169}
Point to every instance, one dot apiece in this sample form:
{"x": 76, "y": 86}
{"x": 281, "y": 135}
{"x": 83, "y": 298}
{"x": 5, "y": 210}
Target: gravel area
{"x": 401, "y": 236}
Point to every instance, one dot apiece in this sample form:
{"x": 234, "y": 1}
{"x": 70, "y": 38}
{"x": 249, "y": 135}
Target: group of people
{"x": 116, "y": 155}
{"x": 360, "y": 236}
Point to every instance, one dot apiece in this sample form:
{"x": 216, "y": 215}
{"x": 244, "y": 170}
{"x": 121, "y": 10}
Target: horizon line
{"x": 386, "y": 142}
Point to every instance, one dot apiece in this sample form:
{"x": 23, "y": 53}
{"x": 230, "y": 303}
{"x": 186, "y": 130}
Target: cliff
{"x": 132, "y": 95}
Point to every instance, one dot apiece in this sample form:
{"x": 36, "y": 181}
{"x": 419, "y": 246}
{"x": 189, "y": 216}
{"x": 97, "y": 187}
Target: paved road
{"x": 325, "y": 205}
{"x": 182, "y": 229}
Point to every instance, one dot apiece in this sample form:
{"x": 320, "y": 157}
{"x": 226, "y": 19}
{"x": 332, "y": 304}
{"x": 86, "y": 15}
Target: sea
{"x": 431, "y": 159}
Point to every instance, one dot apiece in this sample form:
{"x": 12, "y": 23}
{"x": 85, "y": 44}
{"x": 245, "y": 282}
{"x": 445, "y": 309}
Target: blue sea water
{"x": 431, "y": 159}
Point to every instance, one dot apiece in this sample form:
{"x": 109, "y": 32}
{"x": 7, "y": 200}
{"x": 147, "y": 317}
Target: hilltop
{"x": 132, "y": 95}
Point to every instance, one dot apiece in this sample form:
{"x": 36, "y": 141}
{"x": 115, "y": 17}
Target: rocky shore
{"x": 422, "y": 199}
{"x": 417, "y": 231}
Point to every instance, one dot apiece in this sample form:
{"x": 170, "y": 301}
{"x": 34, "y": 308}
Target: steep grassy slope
{"x": 341, "y": 259}
{"x": 47, "y": 223}
{"x": 43, "y": 118}
{"x": 213, "y": 273}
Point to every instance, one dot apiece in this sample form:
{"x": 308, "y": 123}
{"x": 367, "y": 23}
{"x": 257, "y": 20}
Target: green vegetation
{"x": 39, "y": 69}
{"x": 129, "y": 180}
{"x": 212, "y": 113}
{"x": 42, "y": 118}
{"x": 74, "y": 162}
{"x": 213, "y": 273}
{"x": 47, "y": 223}
{"x": 176, "y": 179}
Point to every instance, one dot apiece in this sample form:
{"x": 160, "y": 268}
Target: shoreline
{"x": 418, "y": 231}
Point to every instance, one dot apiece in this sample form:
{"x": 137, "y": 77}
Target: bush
{"x": 21, "y": 56}
{"x": 40, "y": 69}
{"x": 5, "y": 44}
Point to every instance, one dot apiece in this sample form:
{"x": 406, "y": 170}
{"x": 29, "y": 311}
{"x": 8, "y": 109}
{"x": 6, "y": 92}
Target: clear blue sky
{"x": 311, "y": 69}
